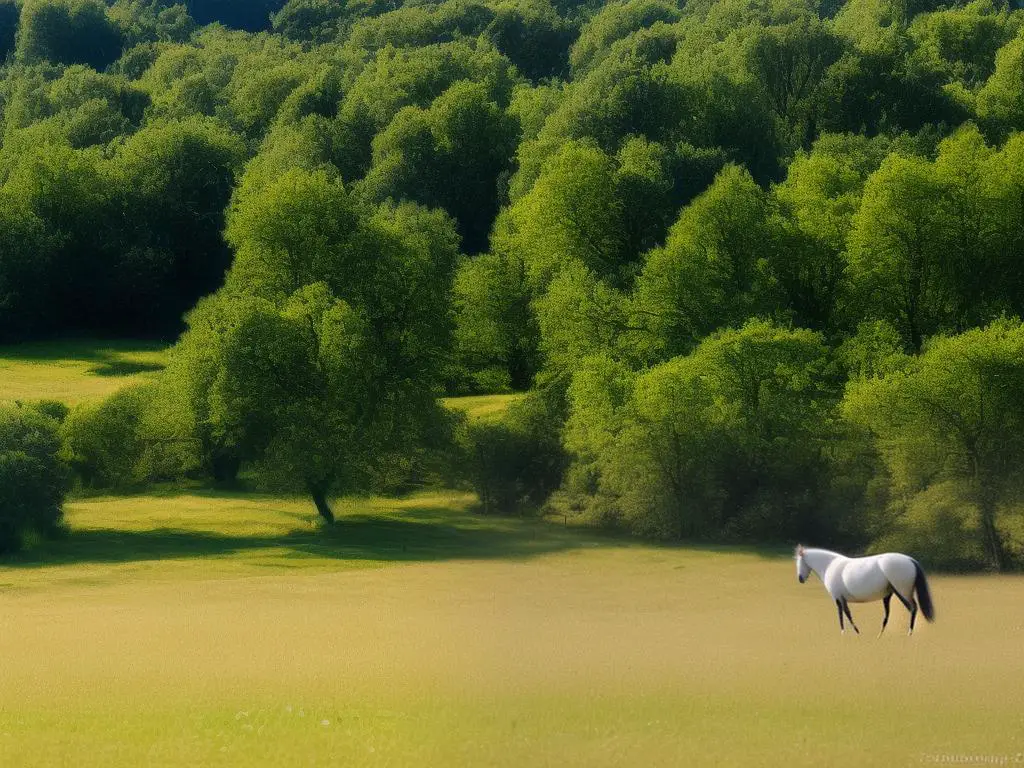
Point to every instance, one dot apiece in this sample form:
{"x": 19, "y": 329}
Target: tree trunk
{"x": 322, "y": 505}
{"x": 224, "y": 466}
{"x": 993, "y": 541}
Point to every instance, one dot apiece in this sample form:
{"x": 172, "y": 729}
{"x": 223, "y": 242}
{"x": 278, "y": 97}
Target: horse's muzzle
{"x": 802, "y": 579}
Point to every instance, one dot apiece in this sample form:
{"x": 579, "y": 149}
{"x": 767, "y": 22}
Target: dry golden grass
{"x": 73, "y": 371}
{"x": 419, "y": 634}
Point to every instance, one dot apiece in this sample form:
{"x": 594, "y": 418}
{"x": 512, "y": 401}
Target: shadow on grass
{"x": 98, "y": 351}
{"x": 114, "y": 367}
{"x": 418, "y": 535}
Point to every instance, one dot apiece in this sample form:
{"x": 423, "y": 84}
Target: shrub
{"x": 107, "y": 443}
{"x": 33, "y": 479}
{"x": 940, "y": 526}
{"x": 516, "y": 463}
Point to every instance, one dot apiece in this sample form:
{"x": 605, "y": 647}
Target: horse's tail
{"x": 924, "y": 596}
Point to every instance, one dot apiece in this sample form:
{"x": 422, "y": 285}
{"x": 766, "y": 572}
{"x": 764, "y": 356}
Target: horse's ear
{"x": 799, "y": 549}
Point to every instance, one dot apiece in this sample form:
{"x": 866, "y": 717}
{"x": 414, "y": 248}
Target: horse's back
{"x": 864, "y": 579}
{"x": 900, "y": 570}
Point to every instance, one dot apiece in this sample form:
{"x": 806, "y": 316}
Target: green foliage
{"x": 448, "y": 156}
{"x": 496, "y": 337}
{"x": 951, "y": 416}
{"x": 152, "y": 21}
{"x": 963, "y": 42}
{"x": 33, "y": 479}
{"x": 24, "y": 274}
{"x": 533, "y": 36}
{"x": 627, "y": 181}
{"x": 712, "y": 271}
{"x": 926, "y": 247}
{"x": 411, "y": 78}
{"x": 571, "y": 215}
{"x": 790, "y": 62}
{"x": 727, "y": 441}
{"x": 321, "y": 357}
{"x": 999, "y": 101}
{"x": 515, "y": 463}
{"x": 614, "y": 22}
{"x": 416, "y": 26}
{"x": 9, "y": 16}
{"x": 322, "y": 21}
{"x": 817, "y": 202}
{"x": 68, "y": 32}
{"x": 106, "y": 444}
{"x": 125, "y": 239}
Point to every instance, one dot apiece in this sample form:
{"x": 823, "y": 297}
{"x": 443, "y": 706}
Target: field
{"x": 74, "y": 371}
{"x": 227, "y": 630}
{"x": 230, "y": 629}
{"x": 482, "y": 407}
{"x": 89, "y": 369}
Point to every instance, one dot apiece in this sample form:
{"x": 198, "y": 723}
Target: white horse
{"x": 866, "y": 579}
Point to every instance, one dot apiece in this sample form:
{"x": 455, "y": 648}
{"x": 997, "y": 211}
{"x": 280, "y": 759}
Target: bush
{"x": 55, "y": 409}
{"x": 516, "y": 463}
{"x": 940, "y": 526}
{"x": 728, "y": 442}
{"x": 33, "y": 479}
{"x": 111, "y": 444}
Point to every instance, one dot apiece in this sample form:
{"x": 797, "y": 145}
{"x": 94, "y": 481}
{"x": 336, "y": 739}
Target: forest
{"x": 758, "y": 267}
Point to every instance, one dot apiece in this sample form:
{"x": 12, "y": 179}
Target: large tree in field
{"x": 322, "y": 356}
{"x": 954, "y": 414}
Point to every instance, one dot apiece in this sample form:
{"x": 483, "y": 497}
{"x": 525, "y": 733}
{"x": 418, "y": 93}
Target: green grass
{"x": 204, "y": 629}
{"x": 75, "y": 371}
{"x": 89, "y": 369}
{"x": 482, "y": 407}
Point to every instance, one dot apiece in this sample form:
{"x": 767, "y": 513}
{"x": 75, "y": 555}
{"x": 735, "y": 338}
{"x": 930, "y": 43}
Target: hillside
{"x": 742, "y": 256}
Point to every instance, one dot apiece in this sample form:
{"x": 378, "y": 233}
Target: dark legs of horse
{"x": 839, "y": 605}
{"x": 846, "y": 609}
{"x": 910, "y": 605}
{"x": 885, "y": 619}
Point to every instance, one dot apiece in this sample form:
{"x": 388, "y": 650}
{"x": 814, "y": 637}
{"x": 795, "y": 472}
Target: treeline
{"x": 741, "y": 253}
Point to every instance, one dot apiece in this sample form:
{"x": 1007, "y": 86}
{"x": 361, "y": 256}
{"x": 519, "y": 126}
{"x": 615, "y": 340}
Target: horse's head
{"x": 803, "y": 570}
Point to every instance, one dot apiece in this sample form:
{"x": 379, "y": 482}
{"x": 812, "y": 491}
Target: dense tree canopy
{"x": 685, "y": 226}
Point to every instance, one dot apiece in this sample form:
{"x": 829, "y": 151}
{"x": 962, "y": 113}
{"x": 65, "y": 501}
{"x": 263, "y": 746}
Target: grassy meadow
{"x": 207, "y": 629}
{"x": 482, "y": 407}
{"x": 75, "y": 371}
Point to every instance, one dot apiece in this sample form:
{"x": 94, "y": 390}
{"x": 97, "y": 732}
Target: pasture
{"x": 75, "y": 371}
{"x": 210, "y": 629}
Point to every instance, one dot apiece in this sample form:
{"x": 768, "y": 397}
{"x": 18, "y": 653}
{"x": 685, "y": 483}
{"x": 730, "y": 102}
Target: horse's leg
{"x": 910, "y": 605}
{"x": 913, "y": 615}
{"x": 846, "y": 607}
{"x": 839, "y": 605}
{"x": 885, "y": 619}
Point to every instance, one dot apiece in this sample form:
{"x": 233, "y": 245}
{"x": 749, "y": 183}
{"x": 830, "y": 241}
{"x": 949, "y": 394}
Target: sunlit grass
{"x": 230, "y": 630}
{"x": 482, "y": 407}
{"x": 74, "y": 371}
{"x": 85, "y": 369}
